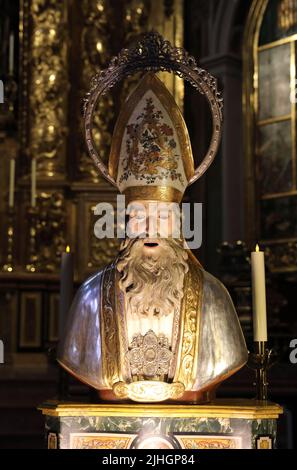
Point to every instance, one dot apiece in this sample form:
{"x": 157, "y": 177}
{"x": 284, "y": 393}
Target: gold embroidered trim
{"x": 124, "y": 366}
{"x": 109, "y": 333}
{"x": 153, "y": 193}
{"x": 186, "y": 367}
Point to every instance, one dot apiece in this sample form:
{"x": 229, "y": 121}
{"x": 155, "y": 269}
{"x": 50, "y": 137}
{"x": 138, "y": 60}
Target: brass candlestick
{"x": 9, "y": 263}
{"x": 260, "y": 361}
{"x": 32, "y": 264}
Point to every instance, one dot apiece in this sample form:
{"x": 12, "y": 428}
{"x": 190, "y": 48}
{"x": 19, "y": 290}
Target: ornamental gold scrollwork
{"x": 101, "y": 252}
{"x": 48, "y": 86}
{"x": 110, "y": 356}
{"x": 286, "y": 15}
{"x": 191, "y": 313}
{"x": 136, "y": 21}
{"x": 149, "y": 390}
{"x": 50, "y": 228}
{"x": 99, "y": 29}
{"x": 149, "y": 356}
{"x": 95, "y": 44}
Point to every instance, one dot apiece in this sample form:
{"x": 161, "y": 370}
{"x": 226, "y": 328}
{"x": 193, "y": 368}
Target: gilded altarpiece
{"x": 60, "y": 46}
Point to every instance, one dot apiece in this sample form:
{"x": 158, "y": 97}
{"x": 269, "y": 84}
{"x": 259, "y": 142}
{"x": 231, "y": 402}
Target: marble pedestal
{"x": 223, "y": 424}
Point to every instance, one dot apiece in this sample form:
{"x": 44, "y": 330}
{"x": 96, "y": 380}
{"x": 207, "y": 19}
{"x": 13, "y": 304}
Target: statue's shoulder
{"x": 78, "y": 349}
{"x": 97, "y": 276}
{"x": 92, "y": 280}
{"x": 217, "y": 300}
{"x": 220, "y": 323}
{"x": 90, "y": 288}
{"x": 213, "y": 285}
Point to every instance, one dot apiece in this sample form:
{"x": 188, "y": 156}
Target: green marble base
{"x": 223, "y": 424}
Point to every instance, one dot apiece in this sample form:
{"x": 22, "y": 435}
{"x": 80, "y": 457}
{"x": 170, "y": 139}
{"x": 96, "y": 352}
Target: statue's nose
{"x": 151, "y": 226}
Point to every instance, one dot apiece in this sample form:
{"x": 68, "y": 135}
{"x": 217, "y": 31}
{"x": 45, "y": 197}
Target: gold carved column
{"x": 44, "y": 38}
{"x": 48, "y": 87}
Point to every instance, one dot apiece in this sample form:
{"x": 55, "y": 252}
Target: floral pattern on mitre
{"x": 152, "y": 152}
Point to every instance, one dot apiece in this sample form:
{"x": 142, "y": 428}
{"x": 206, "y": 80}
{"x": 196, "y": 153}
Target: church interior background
{"x": 49, "y": 52}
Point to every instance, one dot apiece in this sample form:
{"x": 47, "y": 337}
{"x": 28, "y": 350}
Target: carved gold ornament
{"x": 149, "y": 390}
{"x": 109, "y": 346}
{"x": 190, "y": 326}
{"x": 149, "y": 355}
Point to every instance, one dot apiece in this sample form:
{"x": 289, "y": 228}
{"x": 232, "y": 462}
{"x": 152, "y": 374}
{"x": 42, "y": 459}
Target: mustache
{"x": 128, "y": 243}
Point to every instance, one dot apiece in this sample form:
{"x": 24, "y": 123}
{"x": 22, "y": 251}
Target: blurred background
{"x": 49, "y": 52}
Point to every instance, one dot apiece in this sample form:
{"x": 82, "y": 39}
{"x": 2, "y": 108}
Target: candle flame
{"x": 257, "y": 248}
{"x": 67, "y": 249}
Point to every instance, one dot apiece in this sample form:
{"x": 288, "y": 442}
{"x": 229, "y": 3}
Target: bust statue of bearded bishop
{"x": 153, "y": 325}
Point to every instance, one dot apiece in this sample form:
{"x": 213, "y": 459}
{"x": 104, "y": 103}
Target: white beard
{"x": 152, "y": 286}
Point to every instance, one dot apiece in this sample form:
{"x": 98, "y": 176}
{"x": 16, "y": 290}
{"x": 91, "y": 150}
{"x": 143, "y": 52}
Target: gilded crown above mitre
{"x": 151, "y": 156}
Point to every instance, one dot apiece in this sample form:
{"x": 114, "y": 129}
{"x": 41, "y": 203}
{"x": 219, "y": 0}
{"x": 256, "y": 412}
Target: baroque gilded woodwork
{"x": 49, "y": 224}
{"x": 95, "y": 48}
{"x": 48, "y": 85}
{"x": 102, "y": 251}
{"x": 287, "y": 14}
{"x": 96, "y": 253}
{"x": 136, "y": 22}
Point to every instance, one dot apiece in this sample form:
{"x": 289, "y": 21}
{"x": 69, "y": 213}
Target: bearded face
{"x": 152, "y": 275}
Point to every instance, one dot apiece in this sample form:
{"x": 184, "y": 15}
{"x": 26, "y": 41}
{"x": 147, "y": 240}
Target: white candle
{"x": 11, "y": 54}
{"x": 33, "y": 182}
{"x": 11, "y": 182}
{"x": 259, "y": 295}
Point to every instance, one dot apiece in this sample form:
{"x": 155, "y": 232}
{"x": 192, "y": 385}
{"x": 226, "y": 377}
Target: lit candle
{"x": 66, "y": 288}
{"x": 11, "y": 182}
{"x": 33, "y": 182}
{"x": 11, "y": 54}
{"x": 259, "y": 295}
